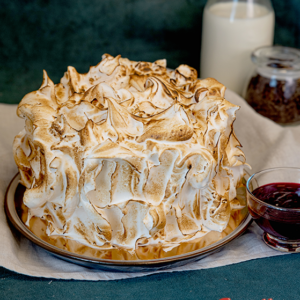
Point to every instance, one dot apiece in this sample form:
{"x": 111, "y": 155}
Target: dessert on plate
{"x": 129, "y": 154}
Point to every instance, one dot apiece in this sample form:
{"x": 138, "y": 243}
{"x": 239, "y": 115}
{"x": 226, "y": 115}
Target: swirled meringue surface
{"x": 129, "y": 154}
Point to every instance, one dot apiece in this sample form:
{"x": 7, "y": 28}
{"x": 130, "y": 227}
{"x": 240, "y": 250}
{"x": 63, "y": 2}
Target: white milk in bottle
{"x": 231, "y": 31}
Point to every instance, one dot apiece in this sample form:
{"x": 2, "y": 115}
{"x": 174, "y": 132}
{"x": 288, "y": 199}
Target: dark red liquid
{"x": 281, "y": 194}
{"x": 280, "y": 223}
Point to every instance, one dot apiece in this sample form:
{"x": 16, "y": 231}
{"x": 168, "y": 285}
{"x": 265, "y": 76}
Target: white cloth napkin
{"x": 265, "y": 144}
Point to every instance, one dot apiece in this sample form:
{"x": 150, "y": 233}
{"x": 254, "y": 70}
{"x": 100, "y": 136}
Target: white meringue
{"x": 129, "y": 154}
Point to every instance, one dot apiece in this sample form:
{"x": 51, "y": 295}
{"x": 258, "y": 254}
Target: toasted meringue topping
{"x": 129, "y": 154}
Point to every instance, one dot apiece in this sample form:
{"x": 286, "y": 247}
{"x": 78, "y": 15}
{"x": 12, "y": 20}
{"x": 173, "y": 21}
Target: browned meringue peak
{"x": 108, "y": 63}
{"x": 234, "y": 154}
{"x": 129, "y": 153}
{"x": 44, "y": 96}
{"x": 184, "y": 75}
{"x": 147, "y": 68}
{"x": 156, "y": 92}
{"x": 122, "y": 121}
{"x": 77, "y": 115}
{"x": 214, "y": 87}
{"x": 215, "y": 209}
{"x": 171, "y": 125}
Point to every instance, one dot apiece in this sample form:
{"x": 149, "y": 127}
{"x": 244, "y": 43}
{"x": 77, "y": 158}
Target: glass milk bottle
{"x": 231, "y": 30}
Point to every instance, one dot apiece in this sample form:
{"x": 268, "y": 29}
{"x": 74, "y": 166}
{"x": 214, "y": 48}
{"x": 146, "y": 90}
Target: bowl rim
{"x": 265, "y": 203}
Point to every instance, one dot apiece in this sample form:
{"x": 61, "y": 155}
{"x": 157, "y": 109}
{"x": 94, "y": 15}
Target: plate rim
{"x": 12, "y": 215}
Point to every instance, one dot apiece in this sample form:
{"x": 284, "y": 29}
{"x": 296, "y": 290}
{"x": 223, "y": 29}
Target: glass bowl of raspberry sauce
{"x": 273, "y": 197}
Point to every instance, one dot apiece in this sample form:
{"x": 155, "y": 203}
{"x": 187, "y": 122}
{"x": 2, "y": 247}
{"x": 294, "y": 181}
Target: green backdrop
{"x": 51, "y": 35}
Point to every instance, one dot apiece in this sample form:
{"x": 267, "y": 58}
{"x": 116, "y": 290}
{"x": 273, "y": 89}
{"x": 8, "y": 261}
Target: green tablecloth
{"x": 274, "y": 277}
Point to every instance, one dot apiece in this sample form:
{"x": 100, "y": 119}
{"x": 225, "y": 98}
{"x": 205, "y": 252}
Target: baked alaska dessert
{"x": 129, "y": 154}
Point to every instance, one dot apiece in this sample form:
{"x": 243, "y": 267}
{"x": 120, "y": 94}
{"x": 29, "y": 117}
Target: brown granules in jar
{"x": 278, "y": 100}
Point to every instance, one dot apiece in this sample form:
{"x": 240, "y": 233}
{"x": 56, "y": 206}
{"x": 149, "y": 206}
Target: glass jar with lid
{"x": 273, "y": 89}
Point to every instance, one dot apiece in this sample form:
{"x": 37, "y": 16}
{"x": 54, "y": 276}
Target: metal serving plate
{"x": 13, "y": 200}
